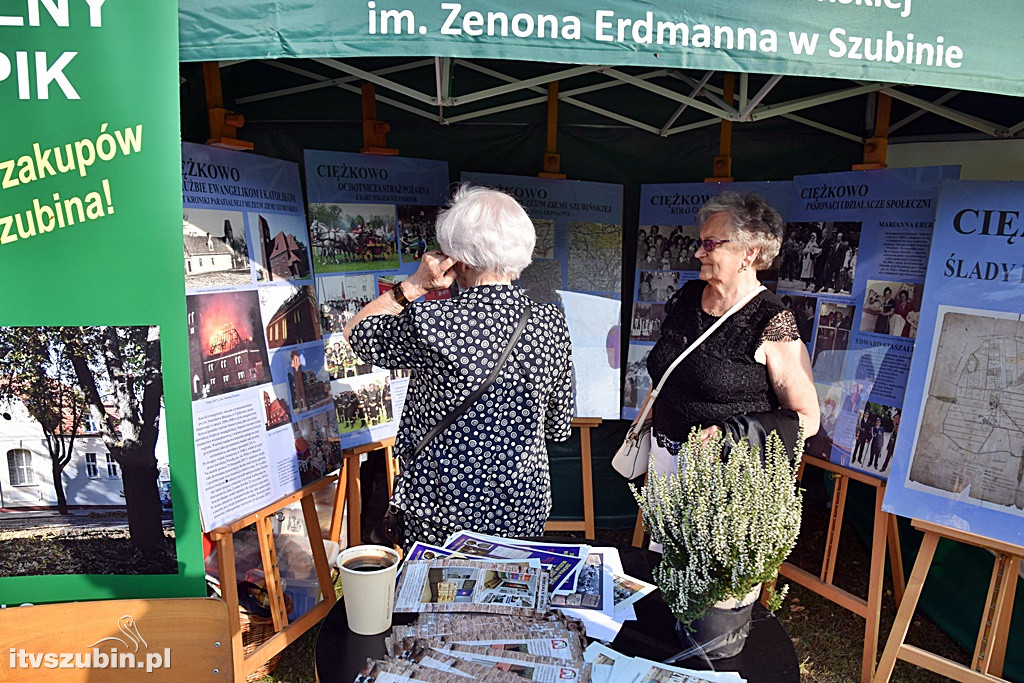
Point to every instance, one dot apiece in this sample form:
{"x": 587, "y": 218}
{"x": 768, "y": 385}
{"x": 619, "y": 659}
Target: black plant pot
{"x": 721, "y": 633}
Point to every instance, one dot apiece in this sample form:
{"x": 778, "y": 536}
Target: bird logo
{"x": 127, "y": 626}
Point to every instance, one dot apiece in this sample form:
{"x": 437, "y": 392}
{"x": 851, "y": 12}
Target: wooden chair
{"x": 177, "y": 639}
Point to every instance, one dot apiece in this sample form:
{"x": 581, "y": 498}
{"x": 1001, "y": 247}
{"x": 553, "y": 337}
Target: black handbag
{"x": 393, "y": 525}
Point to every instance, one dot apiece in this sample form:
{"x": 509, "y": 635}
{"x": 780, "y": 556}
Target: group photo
{"x": 892, "y": 308}
{"x": 819, "y": 257}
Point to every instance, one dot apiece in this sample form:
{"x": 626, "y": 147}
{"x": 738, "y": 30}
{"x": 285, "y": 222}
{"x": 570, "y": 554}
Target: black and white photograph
{"x": 834, "y": 325}
{"x": 819, "y": 257}
{"x": 85, "y": 486}
{"x": 829, "y": 402}
{"x": 662, "y": 247}
{"x": 647, "y": 319}
{"x": 216, "y": 250}
{"x": 892, "y": 308}
{"x": 638, "y": 381}
{"x": 658, "y": 286}
{"x": 805, "y": 310}
{"x": 877, "y": 427}
{"x": 417, "y": 231}
{"x": 226, "y": 347}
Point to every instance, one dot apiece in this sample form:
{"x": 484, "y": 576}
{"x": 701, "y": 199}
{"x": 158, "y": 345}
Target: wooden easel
{"x": 350, "y": 490}
{"x": 586, "y": 525}
{"x": 990, "y": 649}
{"x": 884, "y": 532}
{"x": 285, "y": 633}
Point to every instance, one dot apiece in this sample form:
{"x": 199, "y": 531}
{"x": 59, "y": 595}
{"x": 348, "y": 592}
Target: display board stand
{"x": 285, "y": 633}
{"x": 350, "y": 490}
{"x": 990, "y": 649}
{"x": 884, "y": 532}
{"x": 586, "y": 525}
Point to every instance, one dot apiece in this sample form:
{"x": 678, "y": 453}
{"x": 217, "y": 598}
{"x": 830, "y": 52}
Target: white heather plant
{"x": 725, "y": 525}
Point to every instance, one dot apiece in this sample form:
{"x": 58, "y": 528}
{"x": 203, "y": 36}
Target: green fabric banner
{"x": 925, "y": 42}
{"x": 97, "y": 474}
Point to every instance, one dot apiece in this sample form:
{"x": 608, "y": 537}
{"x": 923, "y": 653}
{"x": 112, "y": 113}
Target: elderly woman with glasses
{"x": 488, "y": 471}
{"x": 753, "y": 373}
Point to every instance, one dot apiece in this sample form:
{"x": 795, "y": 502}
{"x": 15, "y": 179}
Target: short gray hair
{"x": 754, "y": 223}
{"x": 487, "y": 230}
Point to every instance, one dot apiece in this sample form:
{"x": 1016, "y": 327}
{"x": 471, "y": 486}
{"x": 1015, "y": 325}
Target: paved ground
{"x": 75, "y": 519}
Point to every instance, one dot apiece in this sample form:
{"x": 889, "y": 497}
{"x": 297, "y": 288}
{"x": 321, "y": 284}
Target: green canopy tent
{"x": 640, "y": 86}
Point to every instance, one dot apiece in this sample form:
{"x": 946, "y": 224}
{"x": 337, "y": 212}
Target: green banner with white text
{"x": 97, "y": 473}
{"x": 926, "y": 42}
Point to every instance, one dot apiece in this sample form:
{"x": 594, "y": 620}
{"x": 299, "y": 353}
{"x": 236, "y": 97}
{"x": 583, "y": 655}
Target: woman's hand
{"x": 707, "y": 433}
{"x": 436, "y": 271}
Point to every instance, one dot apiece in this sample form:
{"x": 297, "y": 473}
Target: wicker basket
{"x": 256, "y": 631}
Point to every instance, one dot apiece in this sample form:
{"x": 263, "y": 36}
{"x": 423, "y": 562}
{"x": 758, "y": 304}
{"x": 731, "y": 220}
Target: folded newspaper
{"x": 451, "y": 585}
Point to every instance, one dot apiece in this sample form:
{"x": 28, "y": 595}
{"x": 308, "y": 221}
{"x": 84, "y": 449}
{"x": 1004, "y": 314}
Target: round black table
{"x": 767, "y": 657}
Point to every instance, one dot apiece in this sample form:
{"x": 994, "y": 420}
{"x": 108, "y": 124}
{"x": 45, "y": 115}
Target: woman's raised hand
{"x": 436, "y": 271}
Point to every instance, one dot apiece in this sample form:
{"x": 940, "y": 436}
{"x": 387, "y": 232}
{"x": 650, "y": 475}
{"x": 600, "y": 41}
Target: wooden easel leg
{"x": 638, "y": 531}
{"x": 876, "y": 579}
{"x": 899, "y": 581}
{"x": 905, "y": 613}
{"x": 271, "y": 575}
{"x": 588, "y": 482}
{"x": 355, "y": 500}
{"x": 990, "y": 650}
{"x": 391, "y": 467}
{"x": 229, "y": 594}
{"x": 1002, "y": 626}
{"x": 316, "y": 544}
{"x": 835, "y": 527}
{"x": 338, "y": 513}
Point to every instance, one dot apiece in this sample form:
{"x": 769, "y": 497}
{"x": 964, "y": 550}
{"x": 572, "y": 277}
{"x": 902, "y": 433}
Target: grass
{"x": 80, "y": 550}
{"x": 828, "y": 639}
{"x": 320, "y": 267}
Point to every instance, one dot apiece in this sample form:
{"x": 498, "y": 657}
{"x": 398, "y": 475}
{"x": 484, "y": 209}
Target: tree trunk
{"x": 142, "y": 498}
{"x": 58, "y": 484}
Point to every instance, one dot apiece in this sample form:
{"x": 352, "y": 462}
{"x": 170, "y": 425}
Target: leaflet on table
{"x": 370, "y": 219}
{"x": 578, "y": 249}
{"x": 958, "y": 456}
{"x": 639, "y": 670}
{"x": 605, "y": 623}
{"x": 666, "y": 243}
{"x": 263, "y": 418}
{"x": 593, "y": 587}
{"x": 854, "y": 257}
{"x": 563, "y": 567}
{"x": 528, "y": 666}
{"x": 451, "y": 585}
{"x": 628, "y": 589}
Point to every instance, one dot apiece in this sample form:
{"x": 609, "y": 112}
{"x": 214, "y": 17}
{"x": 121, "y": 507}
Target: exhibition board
{"x": 93, "y": 324}
{"x": 371, "y": 217}
{"x": 577, "y": 264}
{"x": 958, "y": 460}
{"x": 665, "y": 247}
{"x": 263, "y": 416}
{"x": 853, "y": 263}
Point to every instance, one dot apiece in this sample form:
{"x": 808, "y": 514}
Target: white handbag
{"x": 633, "y": 456}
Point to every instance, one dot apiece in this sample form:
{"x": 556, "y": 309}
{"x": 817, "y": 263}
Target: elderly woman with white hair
{"x": 488, "y": 470}
{"x": 752, "y": 376}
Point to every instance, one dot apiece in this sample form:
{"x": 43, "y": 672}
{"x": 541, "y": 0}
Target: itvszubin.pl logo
{"x": 108, "y": 657}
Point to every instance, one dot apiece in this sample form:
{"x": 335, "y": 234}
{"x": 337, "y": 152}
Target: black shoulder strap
{"x": 475, "y": 396}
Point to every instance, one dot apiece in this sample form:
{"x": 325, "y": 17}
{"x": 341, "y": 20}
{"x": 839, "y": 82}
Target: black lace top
{"x": 721, "y": 377}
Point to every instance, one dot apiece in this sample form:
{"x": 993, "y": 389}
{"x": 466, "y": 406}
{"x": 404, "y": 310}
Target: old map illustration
{"x": 971, "y": 438}
{"x": 595, "y": 257}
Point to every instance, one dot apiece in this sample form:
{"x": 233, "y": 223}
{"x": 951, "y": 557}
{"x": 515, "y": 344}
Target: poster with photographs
{"x": 262, "y": 412}
{"x": 371, "y": 219}
{"x": 853, "y": 262}
{"x": 577, "y": 264}
{"x": 958, "y": 455}
{"x": 667, "y": 240}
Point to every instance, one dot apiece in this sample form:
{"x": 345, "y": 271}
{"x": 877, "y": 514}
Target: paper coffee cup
{"x": 368, "y": 582}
